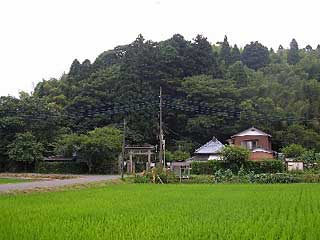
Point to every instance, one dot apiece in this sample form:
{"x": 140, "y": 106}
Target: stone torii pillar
{"x": 130, "y": 163}
{"x": 149, "y": 160}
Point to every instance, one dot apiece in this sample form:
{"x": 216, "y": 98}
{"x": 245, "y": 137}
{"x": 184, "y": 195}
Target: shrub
{"x": 195, "y": 168}
{"x": 219, "y": 176}
{"x": 251, "y": 177}
{"x": 293, "y": 150}
{"x": 207, "y": 167}
{"x": 265, "y": 166}
{"x": 106, "y": 167}
{"x": 235, "y": 155}
{"x": 210, "y": 167}
{"x": 198, "y": 179}
{"x": 242, "y": 175}
{"x": 161, "y": 175}
{"x": 309, "y": 178}
{"x": 310, "y": 157}
{"x": 228, "y": 175}
{"x": 61, "y": 167}
{"x": 141, "y": 179}
{"x": 177, "y": 156}
{"x": 274, "y": 178}
{"x": 316, "y": 166}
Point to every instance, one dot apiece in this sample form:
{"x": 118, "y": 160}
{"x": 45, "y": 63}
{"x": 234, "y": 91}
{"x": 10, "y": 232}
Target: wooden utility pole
{"x": 123, "y": 146}
{"x": 160, "y": 130}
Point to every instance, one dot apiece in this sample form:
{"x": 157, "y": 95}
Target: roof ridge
{"x": 214, "y": 143}
{"x": 204, "y": 145}
{"x": 252, "y": 129}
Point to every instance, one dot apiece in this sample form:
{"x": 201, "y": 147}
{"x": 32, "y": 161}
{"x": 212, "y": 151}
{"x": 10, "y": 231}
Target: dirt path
{"x": 78, "y": 179}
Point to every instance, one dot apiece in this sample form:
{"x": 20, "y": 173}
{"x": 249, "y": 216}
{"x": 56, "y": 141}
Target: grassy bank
{"x": 12, "y": 180}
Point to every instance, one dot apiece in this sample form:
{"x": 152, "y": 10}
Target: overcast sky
{"x": 40, "y": 38}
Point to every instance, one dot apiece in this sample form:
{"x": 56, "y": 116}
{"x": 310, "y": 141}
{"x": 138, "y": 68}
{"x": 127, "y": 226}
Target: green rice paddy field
{"x": 128, "y": 211}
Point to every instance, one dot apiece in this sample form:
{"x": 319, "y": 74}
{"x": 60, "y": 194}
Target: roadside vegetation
{"x": 13, "y": 180}
{"x": 235, "y": 167}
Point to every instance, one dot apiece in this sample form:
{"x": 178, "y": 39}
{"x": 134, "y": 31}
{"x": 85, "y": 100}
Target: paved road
{"x": 80, "y": 179}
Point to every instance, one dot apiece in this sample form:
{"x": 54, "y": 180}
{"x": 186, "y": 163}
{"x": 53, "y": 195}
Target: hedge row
{"x": 61, "y": 167}
{"x": 106, "y": 168}
{"x": 227, "y": 177}
{"x": 210, "y": 167}
{"x": 267, "y": 166}
{"x": 13, "y": 166}
{"x": 75, "y": 168}
{"x": 273, "y": 178}
{"x": 206, "y": 168}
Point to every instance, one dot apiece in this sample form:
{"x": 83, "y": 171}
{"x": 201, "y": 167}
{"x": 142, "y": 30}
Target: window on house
{"x": 252, "y": 144}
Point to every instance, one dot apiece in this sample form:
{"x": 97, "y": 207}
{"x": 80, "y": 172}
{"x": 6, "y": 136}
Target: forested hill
{"x": 209, "y": 90}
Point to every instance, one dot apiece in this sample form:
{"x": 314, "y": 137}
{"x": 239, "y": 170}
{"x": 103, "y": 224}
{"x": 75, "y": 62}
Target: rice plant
{"x": 146, "y": 211}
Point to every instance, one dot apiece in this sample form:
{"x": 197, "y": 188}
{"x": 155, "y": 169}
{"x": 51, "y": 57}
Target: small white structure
{"x": 294, "y": 165}
{"x": 181, "y": 169}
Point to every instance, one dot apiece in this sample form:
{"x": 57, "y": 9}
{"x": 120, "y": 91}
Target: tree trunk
{"x": 90, "y": 166}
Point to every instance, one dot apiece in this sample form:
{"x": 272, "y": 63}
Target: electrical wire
{"x": 110, "y": 109}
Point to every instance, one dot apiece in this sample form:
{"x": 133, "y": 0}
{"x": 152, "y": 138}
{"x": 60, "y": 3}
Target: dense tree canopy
{"x": 25, "y": 148}
{"x": 255, "y": 55}
{"x": 209, "y": 90}
{"x": 100, "y": 146}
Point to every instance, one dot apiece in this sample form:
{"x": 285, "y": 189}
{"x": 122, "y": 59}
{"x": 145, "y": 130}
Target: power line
{"x": 107, "y": 111}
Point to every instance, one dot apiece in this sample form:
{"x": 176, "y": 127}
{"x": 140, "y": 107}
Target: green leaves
{"x": 208, "y": 90}
{"x": 177, "y": 156}
{"x": 25, "y": 148}
{"x": 255, "y": 55}
{"x": 293, "y": 54}
{"x": 95, "y": 148}
{"x": 293, "y": 150}
{"x": 235, "y": 155}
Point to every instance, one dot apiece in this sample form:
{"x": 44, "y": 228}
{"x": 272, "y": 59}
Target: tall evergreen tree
{"x": 75, "y": 69}
{"x": 255, "y": 55}
{"x": 293, "y": 54}
{"x": 202, "y": 55}
{"x": 318, "y": 50}
{"x": 237, "y": 73}
{"x": 108, "y": 58}
{"x": 140, "y": 65}
{"x": 225, "y": 52}
{"x": 308, "y": 48}
{"x": 235, "y": 54}
{"x": 85, "y": 68}
{"x": 280, "y": 48}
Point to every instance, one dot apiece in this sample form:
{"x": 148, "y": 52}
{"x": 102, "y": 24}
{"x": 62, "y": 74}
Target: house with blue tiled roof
{"x": 209, "y": 151}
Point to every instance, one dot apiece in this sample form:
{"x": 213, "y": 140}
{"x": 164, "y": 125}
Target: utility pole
{"x": 123, "y": 146}
{"x": 160, "y": 130}
{"x": 164, "y": 153}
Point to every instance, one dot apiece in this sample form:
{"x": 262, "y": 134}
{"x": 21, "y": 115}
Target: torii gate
{"x": 147, "y": 150}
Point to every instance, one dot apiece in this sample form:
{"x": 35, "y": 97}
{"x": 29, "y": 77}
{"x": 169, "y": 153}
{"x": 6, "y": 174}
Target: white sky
{"x": 40, "y": 38}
